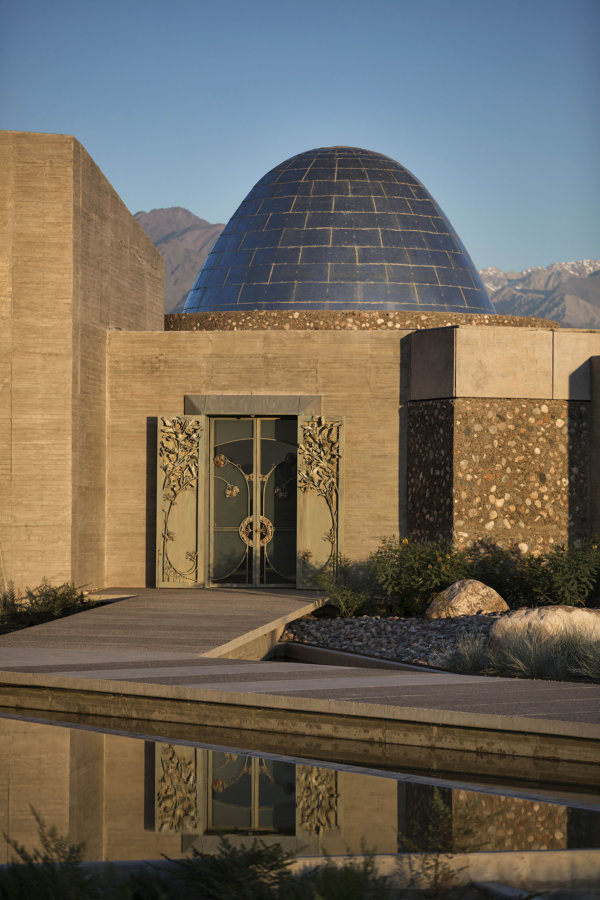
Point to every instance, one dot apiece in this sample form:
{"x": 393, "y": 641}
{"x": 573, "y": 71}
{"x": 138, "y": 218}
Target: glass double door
{"x": 253, "y": 464}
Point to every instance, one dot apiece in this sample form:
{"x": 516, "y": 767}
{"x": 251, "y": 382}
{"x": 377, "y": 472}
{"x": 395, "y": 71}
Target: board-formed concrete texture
{"x": 75, "y": 265}
{"x": 86, "y": 370}
{"x": 573, "y": 352}
{"x": 357, "y": 376}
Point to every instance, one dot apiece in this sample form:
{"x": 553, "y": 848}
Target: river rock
{"x": 465, "y": 598}
{"x": 545, "y": 622}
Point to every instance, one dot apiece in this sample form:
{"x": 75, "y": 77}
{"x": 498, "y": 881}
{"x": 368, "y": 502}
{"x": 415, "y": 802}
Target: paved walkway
{"x": 165, "y": 624}
{"x": 169, "y": 645}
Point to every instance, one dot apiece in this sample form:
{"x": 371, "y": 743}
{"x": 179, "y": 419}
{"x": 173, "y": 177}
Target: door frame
{"x": 314, "y": 435}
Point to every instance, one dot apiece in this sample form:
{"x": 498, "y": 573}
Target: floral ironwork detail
{"x": 266, "y": 530}
{"x": 232, "y": 490}
{"x": 317, "y": 798}
{"x": 177, "y": 790}
{"x": 319, "y": 453}
{"x": 178, "y": 453}
{"x": 178, "y": 450}
{"x": 220, "y": 460}
{"x": 319, "y": 469}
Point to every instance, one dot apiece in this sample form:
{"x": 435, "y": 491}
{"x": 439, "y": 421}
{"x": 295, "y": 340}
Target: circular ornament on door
{"x": 266, "y": 530}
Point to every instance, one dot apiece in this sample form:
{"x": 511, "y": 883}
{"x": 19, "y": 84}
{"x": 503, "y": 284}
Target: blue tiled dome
{"x": 339, "y": 228}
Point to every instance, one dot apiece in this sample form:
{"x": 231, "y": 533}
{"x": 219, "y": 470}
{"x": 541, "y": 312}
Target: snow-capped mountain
{"x": 567, "y": 292}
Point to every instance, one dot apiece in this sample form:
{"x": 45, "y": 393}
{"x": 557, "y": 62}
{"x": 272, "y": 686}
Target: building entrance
{"x": 253, "y": 500}
{"x": 249, "y": 500}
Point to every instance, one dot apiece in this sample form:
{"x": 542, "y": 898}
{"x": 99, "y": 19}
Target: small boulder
{"x": 546, "y": 622}
{"x": 465, "y": 598}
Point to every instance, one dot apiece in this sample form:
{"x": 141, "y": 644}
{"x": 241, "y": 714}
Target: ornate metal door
{"x": 253, "y": 501}
{"x": 247, "y": 500}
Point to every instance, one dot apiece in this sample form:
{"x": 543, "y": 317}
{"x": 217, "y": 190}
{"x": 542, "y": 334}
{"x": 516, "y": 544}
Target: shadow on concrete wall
{"x": 151, "y": 462}
{"x": 578, "y": 469}
{"x": 403, "y": 398}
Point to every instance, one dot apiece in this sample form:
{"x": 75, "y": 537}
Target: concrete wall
{"x": 503, "y": 362}
{"x": 358, "y": 375}
{"x": 34, "y": 772}
{"x": 503, "y": 433}
{"x": 74, "y": 263}
{"x": 118, "y": 283}
{"x": 489, "y": 464}
{"x": 36, "y": 356}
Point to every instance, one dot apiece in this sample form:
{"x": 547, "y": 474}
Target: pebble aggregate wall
{"x": 510, "y": 823}
{"x": 430, "y": 471}
{"x": 493, "y": 823}
{"x": 512, "y": 471}
{"x": 286, "y": 320}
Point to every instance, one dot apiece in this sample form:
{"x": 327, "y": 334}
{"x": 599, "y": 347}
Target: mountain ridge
{"x": 567, "y": 292}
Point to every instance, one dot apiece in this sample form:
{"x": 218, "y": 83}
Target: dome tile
{"x": 339, "y": 228}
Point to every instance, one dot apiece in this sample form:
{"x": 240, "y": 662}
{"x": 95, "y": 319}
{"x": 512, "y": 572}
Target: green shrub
{"x": 504, "y": 570}
{"x": 255, "y": 872}
{"x": 40, "y": 604}
{"x": 346, "y": 587}
{"x": 354, "y": 880}
{"x": 53, "y": 871}
{"x": 409, "y": 573}
{"x": 402, "y": 576}
{"x": 563, "y": 575}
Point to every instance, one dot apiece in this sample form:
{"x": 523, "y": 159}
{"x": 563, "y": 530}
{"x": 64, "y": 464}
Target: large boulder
{"x": 546, "y": 622}
{"x": 465, "y": 598}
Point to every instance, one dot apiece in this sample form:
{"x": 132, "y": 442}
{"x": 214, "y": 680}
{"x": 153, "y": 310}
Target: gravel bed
{"x": 416, "y": 641}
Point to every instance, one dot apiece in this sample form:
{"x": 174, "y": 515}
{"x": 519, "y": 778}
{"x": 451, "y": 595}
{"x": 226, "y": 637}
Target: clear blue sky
{"x": 493, "y": 104}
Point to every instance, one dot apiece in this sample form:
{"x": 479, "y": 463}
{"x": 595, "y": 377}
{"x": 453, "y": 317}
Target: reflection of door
{"x": 252, "y": 515}
{"x": 250, "y": 794}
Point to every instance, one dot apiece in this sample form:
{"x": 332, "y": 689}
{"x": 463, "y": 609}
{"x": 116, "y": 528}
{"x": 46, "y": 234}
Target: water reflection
{"x": 127, "y": 798}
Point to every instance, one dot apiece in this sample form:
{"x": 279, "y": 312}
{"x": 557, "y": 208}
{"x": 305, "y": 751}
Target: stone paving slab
{"x": 155, "y": 644}
{"x": 169, "y": 621}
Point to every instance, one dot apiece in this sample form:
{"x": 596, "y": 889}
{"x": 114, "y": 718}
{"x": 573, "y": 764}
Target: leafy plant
{"x": 563, "y": 575}
{"x": 436, "y": 836}
{"x": 54, "y": 871}
{"x": 410, "y": 573}
{"x": 356, "y": 879}
{"x": 345, "y": 586}
{"x": 39, "y": 604}
{"x": 255, "y": 872}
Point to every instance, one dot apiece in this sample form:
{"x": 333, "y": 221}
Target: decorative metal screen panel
{"x": 320, "y": 458}
{"x": 180, "y": 501}
{"x": 176, "y": 789}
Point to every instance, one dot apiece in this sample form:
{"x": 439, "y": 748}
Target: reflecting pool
{"x": 133, "y": 797}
